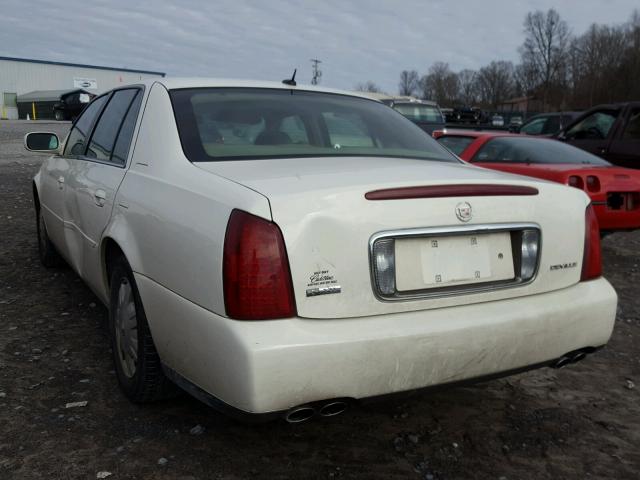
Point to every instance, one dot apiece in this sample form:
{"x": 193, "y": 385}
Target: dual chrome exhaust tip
{"x": 572, "y": 357}
{"x": 306, "y": 412}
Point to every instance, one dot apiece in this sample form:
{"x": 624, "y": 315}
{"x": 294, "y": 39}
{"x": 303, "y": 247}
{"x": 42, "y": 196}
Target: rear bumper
{"x": 609, "y": 219}
{"x": 268, "y": 366}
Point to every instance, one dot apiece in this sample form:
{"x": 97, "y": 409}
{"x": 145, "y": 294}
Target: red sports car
{"x": 614, "y": 191}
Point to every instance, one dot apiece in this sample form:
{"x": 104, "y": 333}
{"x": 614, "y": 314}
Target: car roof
{"x": 174, "y": 83}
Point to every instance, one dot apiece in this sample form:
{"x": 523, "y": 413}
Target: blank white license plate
{"x": 435, "y": 262}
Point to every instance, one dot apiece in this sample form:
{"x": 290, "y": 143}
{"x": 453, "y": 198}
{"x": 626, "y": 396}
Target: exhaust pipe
{"x": 334, "y": 408}
{"x": 571, "y": 357}
{"x": 327, "y": 408}
{"x": 300, "y": 414}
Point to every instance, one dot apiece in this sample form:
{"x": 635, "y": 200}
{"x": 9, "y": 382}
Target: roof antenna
{"x": 291, "y": 81}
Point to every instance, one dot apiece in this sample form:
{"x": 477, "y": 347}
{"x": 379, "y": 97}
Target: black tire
{"x": 59, "y": 115}
{"x": 47, "y": 252}
{"x": 147, "y": 382}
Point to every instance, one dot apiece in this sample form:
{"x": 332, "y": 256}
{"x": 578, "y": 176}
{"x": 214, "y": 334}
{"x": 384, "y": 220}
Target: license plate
{"x": 436, "y": 262}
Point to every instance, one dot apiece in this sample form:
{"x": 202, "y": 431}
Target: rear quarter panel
{"x": 170, "y": 217}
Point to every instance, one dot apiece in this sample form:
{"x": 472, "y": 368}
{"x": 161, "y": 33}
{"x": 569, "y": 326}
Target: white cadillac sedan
{"x": 284, "y": 250}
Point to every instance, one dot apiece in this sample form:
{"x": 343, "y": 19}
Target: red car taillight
{"x": 591, "y": 261}
{"x": 257, "y": 279}
{"x": 575, "y": 181}
{"x": 593, "y": 183}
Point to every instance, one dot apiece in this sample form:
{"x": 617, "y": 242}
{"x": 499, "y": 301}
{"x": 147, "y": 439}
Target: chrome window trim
{"x": 450, "y": 231}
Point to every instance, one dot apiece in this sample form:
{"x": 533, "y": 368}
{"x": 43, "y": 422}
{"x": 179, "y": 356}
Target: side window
{"x": 534, "y": 127}
{"x": 77, "y": 138}
{"x": 632, "y": 132}
{"x": 347, "y": 130}
{"x": 594, "y": 127}
{"x": 121, "y": 149}
{"x": 293, "y": 126}
{"x": 552, "y": 125}
{"x": 106, "y": 131}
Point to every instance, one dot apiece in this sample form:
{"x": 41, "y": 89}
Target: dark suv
{"x": 71, "y": 104}
{"x": 547, "y": 124}
{"x": 609, "y": 131}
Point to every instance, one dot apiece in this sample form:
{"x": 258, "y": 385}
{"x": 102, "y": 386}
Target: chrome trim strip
{"x": 449, "y": 231}
{"x": 314, "y": 292}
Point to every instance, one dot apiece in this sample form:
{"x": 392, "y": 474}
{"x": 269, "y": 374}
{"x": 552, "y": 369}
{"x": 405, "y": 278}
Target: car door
{"x": 593, "y": 132}
{"x": 56, "y": 175}
{"x": 51, "y": 195}
{"x": 625, "y": 147}
{"x": 96, "y": 176}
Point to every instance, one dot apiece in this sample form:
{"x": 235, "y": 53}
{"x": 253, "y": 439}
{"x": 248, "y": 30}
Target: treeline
{"x": 558, "y": 69}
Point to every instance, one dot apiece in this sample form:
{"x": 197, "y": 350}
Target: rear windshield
{"x": 247, "y": 123}
{"x": 457, "y": 144}
{"x": 533, "y": 150}
{"x": 419, "y": 113}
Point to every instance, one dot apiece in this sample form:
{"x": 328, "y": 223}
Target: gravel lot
{"x": 582, "y": 421}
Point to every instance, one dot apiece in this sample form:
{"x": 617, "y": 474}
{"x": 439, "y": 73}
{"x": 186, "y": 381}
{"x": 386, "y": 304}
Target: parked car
{"x": 71, "y": 104}
{"x": 449, "y": 115}
{"x": 546, "y": 124}
{"x": 614, "y": 191}
{"x": 515, "y": 121}
{"x": 285, "y": 250}
{"x": 466, "y": 114}
{"x": 609, "y": 131}
{"x": 425, "y": 114}
{"x": 497, "y": 121}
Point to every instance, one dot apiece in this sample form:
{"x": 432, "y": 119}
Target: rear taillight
{"x": 593, "y": 183}
{"x": 257, "y": 279}
{"x": 591, "y": 260}
{"x": 576, "y": 181}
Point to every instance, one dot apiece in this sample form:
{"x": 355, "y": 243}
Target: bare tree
{"x": 409, "y": 82}
{"x": 440, "y": 84}
{"x": 630, "y": 71}
{"x": 525, "y": 79}
{"x": 495, "y": 82}
{"x": 468, "y": 87}
{"x": 595, "y": 59}
{"x": 545, "y": 46}
{"x": 368, "y": 86}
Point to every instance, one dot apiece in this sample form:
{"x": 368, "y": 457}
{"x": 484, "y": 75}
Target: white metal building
{"x": 21, "y": 75}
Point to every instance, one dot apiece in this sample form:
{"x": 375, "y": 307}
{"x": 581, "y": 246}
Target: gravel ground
{"x": 579, "y": 422}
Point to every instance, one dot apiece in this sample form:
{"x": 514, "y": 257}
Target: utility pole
{"x": 317, "y": 73}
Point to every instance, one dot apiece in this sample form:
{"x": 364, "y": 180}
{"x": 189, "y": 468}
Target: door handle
{"x": 60, "y": 182}
{"x": 99, "y": 196}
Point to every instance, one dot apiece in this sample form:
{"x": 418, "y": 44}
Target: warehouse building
{"x": 22, "y": 78}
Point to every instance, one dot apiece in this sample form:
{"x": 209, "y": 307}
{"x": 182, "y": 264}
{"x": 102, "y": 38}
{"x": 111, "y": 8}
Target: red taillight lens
{"x": 591, "y": 259}
{"x": 593, "y": 183}
{"x": 575, "y": 181}
{"x": 257, "y": 279}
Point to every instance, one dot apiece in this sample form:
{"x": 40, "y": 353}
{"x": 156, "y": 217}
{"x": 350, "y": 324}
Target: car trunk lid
{"x": 328, "y": 226}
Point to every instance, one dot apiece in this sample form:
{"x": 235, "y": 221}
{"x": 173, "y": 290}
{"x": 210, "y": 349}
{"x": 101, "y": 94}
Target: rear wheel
{"x": 59, "y": 115}
{"x": 46, "y": 251}
{"x": 136, "y": 360}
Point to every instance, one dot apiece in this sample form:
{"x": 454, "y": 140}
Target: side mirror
{"x": 41, "y": 142}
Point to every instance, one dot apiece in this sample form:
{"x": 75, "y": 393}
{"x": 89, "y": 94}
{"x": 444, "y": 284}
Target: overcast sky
{"x": 357, "y": 40}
